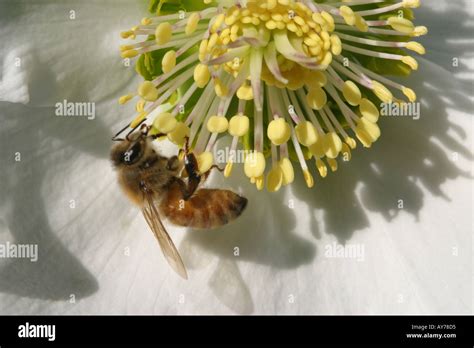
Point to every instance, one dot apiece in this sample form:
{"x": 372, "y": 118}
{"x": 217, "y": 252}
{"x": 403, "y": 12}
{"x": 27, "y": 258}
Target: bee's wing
{"x": 152, "y": 216}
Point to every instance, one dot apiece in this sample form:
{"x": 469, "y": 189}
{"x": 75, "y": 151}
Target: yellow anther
{"x": 401, "y": 24}
{"x": 140, "y": 105}
{"x": 254, "y": 165}
{"x": 271, "y": 25}
{"x": 308, "y": 178}
{"x": 129, "y": 54}
{"x": 260, "y": 182}
{"x": 228, "y": 169}
{"x": 319, "y": 18}
{"x": 363, "y": 137}
{"x": 287, "y": 171}
{"x": 219, "y": 20}
{"x": 201, "y": 75}
{"x": 192, "y": 23}
{"x": 230, "y": 20}
{"x": 369, "y": 110}
{"x": 271, "y": 4}
{"x": 300, "y": 21}
{"x": 410, "y": 94}
{"x": 327, "y": 59}
{"x": 351, "y": 93}
{"x": 217, "y": 124}
{"x": 245, "y": 92}
{"x": 127, "y": 34}
{"x": 318, "y": 149}
{"x": 411, "y": 3}
{"x": 220, "y": 89}
{"x": 203, "y": 50}
{"x": 163, "y": 33}
{"x": 329, "y": 20}
{"x": 348, "y": 15}
{"x": 126, "y": 47}
{"x": 140, "y": 117}
{"x": 205, "y": 161}
{"x": 322, "y": 169}
{"x": 125, "y": 99}
{"x": 306, "y": 133}
{"x": 212, "y": 42}
{"x": 146, "y": 21}
{"x": 148, "y": 91}
{"x": 351, "y": 142}
{"x": 360, "y": 23}
{"x": 332, "y": 164}
{"x": 274, "y": 179}
{"x": 382, "y": 92}
{"x": 169, "y": 61}
{"x": 279, "y": 131}
{"x": 332, "y": 145}
{"x": 316, "y": 98}
{"x": 336, "y": 45}
{"x": 165, "y": 123}
{"x": 346, "y": 152}
{"x": 372, "y": 130}
{"x": 420, "y": 31}
{"x": 239, "y": 125}
{"x": 416, "y": 47}
{"x": 315, "y": 79}
{"x": 411, "y": 62}
{"x": 179, "y": 134}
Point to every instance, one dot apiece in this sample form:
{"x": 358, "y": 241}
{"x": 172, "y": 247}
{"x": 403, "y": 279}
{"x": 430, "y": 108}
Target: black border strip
{"x": 289, "y": 330}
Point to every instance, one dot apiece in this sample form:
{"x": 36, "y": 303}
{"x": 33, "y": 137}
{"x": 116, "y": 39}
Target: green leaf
{"x": 157, "y": 7}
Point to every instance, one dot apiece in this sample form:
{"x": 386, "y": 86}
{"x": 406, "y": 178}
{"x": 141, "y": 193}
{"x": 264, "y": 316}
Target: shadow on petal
{"x": 411, "y": 155}
{"x": 264, "y": 234}
{"x": 43, "y": 140}
{"x": 228, "y": 286}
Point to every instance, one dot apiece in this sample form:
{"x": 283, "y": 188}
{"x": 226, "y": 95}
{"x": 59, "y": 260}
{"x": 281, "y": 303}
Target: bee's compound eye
{"x": 132, "y": 154}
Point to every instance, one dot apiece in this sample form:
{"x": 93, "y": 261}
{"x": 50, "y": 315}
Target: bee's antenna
{"x": 146, "y": 130}
{"x": 115, "y": 137}
{"x": 135, "y": 128}
{"x": 156, "y": 136}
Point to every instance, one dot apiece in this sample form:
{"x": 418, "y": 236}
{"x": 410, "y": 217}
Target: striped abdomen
{"x": 205, "y": 209}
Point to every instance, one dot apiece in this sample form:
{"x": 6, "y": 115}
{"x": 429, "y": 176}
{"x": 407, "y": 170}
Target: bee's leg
{"x": 186, "y": 146}
{"x": 187, "y": 190}
{"x": 194, "y": 178}
{"x": 192, "y": 169}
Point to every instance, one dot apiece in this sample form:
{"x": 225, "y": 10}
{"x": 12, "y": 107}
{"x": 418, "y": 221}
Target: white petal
{"x": 416, "y": 259}
{"x": 61, "y": 57}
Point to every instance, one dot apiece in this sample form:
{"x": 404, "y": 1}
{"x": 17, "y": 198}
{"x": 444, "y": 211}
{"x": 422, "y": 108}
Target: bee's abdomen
{"x": 205, "y": 209}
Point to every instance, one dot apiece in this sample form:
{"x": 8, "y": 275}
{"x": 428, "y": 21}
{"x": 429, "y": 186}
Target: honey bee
{"x": 170, "y": 188}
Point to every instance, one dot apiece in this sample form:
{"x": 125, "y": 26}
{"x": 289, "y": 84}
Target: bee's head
{"x": 136, "y": 146}
{"x": 129, "y": 151}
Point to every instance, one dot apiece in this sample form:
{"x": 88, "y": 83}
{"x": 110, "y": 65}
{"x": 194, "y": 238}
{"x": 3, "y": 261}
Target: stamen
{"x": 284, "y": 56}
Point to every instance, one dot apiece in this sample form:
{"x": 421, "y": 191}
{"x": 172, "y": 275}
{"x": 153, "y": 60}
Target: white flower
{"x": 406, "y": 215}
